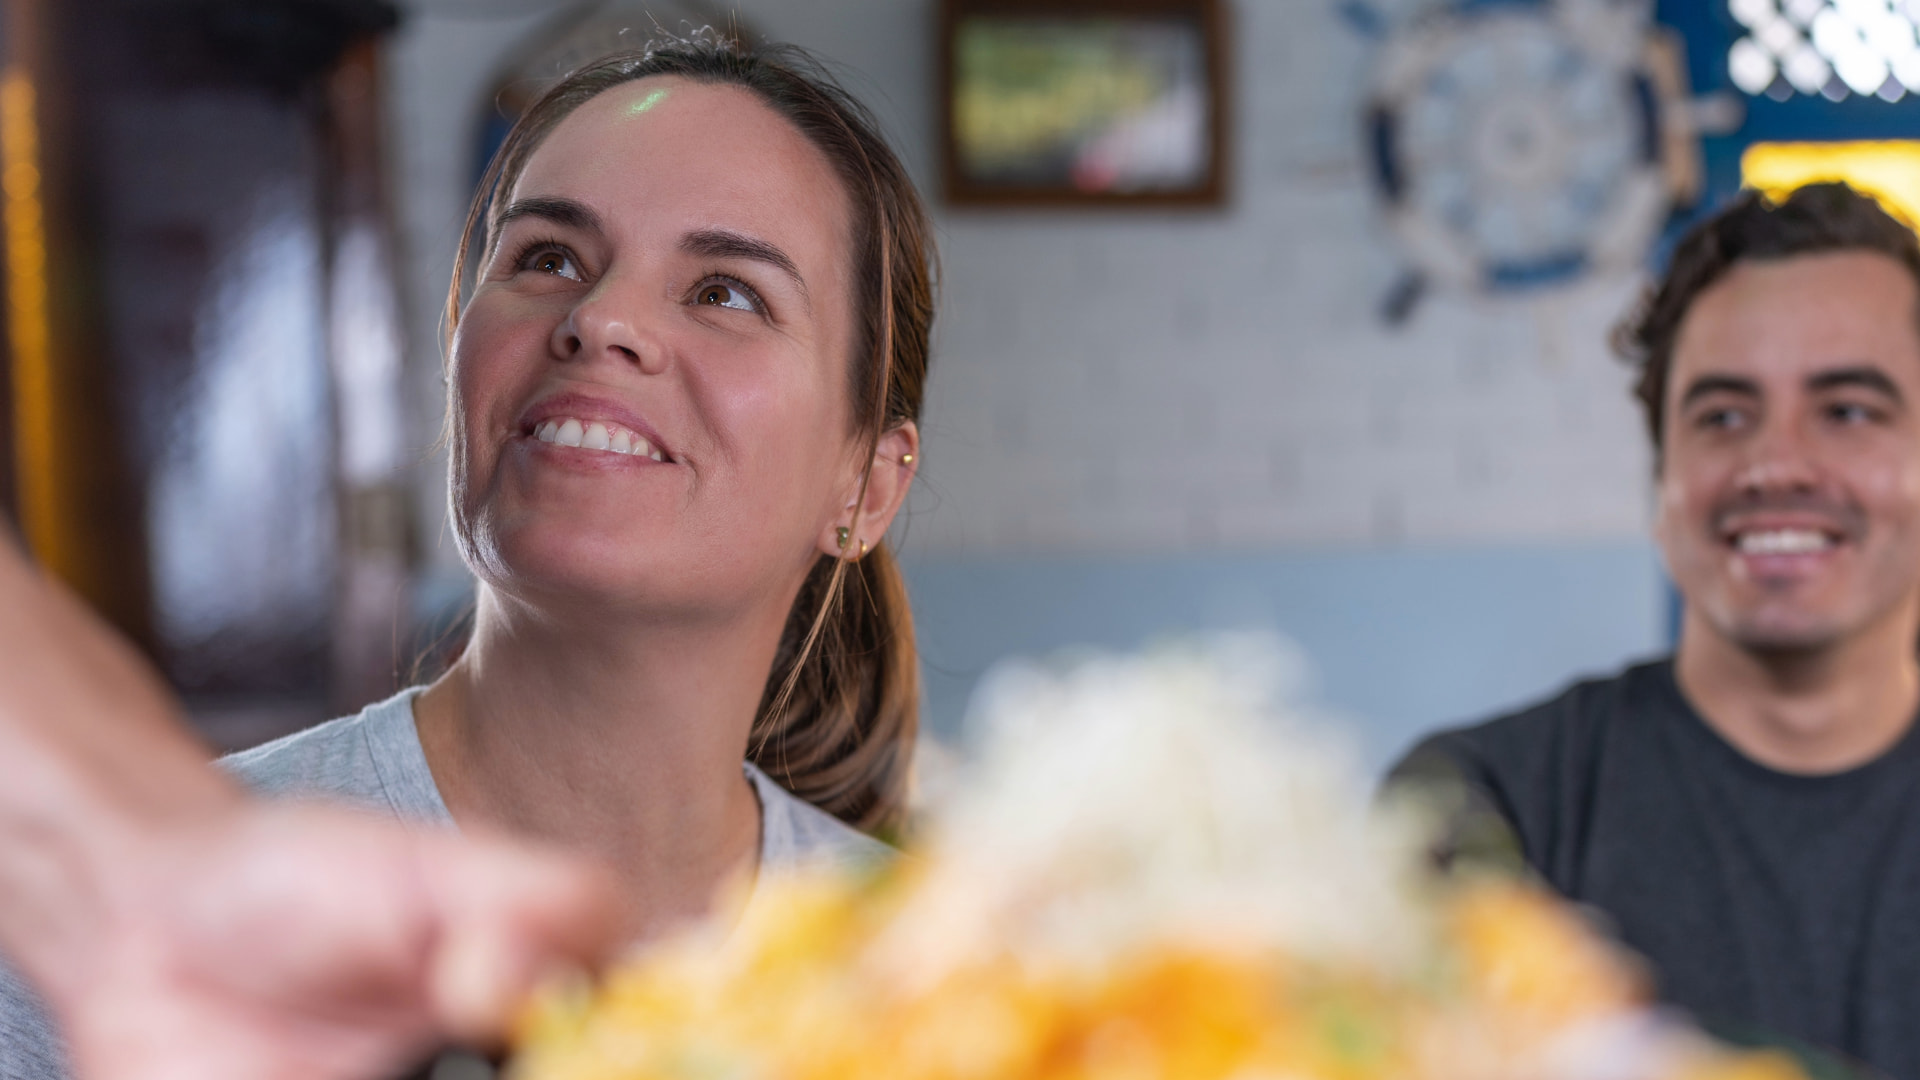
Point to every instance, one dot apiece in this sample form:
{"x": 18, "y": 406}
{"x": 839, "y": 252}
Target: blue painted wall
{"x": 1401, "y": 641}
{"x": 1709, "y": 31}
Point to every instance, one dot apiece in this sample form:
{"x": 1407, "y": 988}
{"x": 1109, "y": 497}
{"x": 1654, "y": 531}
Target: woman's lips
{"x": 595, "y": 436}
{"x": 559, "y": 419}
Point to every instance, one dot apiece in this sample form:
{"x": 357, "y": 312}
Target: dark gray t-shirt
{"x": 374, "y": 760}
{"x": 1768, "y": 903}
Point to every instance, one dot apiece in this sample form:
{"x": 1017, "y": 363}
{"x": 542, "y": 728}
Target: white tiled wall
{"x": 1167, "y": 383}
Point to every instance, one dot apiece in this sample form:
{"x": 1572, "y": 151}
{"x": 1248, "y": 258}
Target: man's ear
{"x": 896, "y": 458}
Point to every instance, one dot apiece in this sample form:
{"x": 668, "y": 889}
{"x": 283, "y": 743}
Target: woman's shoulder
{"x": 371, "y": 759}
{"x": 796, "y": 833}
{"x": 30, "y": 1044}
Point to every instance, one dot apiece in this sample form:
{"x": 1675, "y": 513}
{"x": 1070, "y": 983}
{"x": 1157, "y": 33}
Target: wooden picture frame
{"x": 1139, "y": 140}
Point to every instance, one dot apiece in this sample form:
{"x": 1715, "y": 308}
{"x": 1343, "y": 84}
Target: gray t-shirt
{"x": 373, "y": 760}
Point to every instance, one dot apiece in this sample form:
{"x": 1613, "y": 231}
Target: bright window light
{"x": 1751, "y": 66}
{"x": 1889, "y": 171}
{"x": 1834, "y": 48}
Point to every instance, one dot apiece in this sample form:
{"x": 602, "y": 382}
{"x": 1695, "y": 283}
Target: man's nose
{"x": 1779, "y": 458}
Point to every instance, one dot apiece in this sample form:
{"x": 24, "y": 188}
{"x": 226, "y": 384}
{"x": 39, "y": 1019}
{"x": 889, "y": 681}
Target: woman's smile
{"x": 574, "y": 424}
{"x": 594, "y": 436}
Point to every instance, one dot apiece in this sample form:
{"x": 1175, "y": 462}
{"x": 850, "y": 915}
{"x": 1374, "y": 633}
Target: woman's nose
{"x": 609, "y": 323}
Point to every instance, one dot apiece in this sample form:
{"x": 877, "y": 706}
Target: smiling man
{"x": 1747, "y": 812}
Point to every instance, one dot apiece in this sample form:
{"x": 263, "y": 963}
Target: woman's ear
{"x": 895, "y": 460}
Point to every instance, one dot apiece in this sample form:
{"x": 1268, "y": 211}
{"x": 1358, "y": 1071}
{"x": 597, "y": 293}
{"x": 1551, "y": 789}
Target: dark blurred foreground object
{"x": 468, "y": 1065}
{"x": 286, "y": 45}
{"x": 205, "y": 411}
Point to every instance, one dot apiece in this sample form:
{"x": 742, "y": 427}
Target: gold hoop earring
{"x": 863, "y": 551}
{"x": 842, "y": 535}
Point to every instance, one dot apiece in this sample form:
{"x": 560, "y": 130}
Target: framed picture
{"x": 1084, "y": 102}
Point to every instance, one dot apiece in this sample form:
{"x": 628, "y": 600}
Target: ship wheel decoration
{"x": 1517, "y": 145}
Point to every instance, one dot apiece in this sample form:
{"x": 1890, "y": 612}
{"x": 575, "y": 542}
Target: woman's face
{"x": 650, "y": 381}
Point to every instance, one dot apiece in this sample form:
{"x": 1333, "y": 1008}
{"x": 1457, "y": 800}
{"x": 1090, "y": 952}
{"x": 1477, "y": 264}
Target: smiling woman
{"x": 773, "y": 291}
{"x": 684, "y": 384}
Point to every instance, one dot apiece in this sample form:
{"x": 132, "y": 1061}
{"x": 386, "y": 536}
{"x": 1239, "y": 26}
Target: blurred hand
{"x": 183, "y": 932}
{"x": 302, "y": 943}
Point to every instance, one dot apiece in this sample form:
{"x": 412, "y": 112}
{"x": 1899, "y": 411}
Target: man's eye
{"x": 723, "y": 294}
{"x": 1721, "y": 420}
{"x": 1847, "y": 412}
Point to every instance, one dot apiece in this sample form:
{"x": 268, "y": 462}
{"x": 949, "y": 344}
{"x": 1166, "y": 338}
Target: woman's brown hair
{"x": 840, "y": 710}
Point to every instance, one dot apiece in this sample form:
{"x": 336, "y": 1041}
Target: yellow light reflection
{"x": 1889, "y": 171}
{"x": 27, "y": 316}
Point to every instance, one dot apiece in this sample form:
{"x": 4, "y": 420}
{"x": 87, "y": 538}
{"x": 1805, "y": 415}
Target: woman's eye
{"x": 721, "y": 294}
{"x": 555, "y": 262}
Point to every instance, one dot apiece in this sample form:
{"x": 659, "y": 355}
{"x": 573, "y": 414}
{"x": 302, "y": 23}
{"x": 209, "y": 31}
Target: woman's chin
{"x": 591, "y": 570}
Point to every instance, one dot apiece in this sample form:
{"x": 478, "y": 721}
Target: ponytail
{"x": 838, "y": 720}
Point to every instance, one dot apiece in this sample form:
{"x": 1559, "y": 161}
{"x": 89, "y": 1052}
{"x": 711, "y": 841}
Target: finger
{"x": 508, "y": 918}
{"x": 478, "y": 978}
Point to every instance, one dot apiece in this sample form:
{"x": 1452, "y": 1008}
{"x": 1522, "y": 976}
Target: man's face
{"x": 1790, "y": 485}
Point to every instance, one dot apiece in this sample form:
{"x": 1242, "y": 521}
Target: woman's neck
{"x": 624, "y": 742}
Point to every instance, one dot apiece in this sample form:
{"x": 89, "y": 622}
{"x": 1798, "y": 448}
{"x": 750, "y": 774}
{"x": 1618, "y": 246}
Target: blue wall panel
{"x": 1400, "y": 641}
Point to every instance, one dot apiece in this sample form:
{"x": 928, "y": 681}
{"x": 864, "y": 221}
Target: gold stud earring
{"x": 843, "y": 534}
{"x": 906, "y": 459}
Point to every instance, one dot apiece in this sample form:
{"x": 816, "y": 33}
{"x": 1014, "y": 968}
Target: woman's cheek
{"x": 486, "y": 384}
{"x": 757, "y": 407}
{"x": 475, "y": 363}
{"x": 788, "y": 441}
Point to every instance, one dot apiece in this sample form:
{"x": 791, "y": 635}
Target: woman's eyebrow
{"x": 723, "y": 244}
{"x": 567, "y": 212}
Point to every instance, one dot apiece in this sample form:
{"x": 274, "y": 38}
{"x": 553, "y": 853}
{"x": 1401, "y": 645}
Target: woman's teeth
{"x": 594, "y": 435}
{"x": 1783, "y": 542}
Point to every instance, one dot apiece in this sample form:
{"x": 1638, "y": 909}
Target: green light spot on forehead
{"x": 648, "y": 102}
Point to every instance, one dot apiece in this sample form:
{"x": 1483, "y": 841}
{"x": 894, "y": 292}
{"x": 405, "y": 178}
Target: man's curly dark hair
{"x": 1817, "y": 218}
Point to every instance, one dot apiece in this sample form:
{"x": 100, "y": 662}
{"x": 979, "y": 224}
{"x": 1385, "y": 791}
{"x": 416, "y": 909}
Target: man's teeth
{"x": 594, "y": 435}
{"x": 1783, "y": 542}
